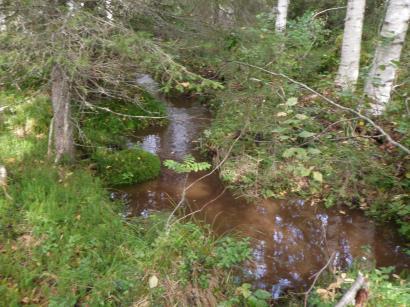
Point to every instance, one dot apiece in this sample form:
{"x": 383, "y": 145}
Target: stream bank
{"x": 291, "y": 240}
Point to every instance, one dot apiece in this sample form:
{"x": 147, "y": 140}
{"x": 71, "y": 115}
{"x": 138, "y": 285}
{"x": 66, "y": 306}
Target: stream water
{"x": 291, "y": 240}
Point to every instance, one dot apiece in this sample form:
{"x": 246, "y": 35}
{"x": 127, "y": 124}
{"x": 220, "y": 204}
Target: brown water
{"x": 291, "y": 240}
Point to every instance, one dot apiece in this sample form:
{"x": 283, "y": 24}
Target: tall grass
{"x": 63, "y": 242}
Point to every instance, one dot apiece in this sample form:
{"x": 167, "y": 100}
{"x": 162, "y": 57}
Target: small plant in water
{"x": 187, "y": 165}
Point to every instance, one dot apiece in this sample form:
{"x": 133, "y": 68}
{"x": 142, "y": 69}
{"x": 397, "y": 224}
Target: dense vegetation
{"x": 277, "y": 127}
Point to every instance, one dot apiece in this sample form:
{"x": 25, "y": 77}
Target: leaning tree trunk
{"x": 281, "y": 15}
{"x": 384, "y": 68}
{"x": 350, "y": 59}
{"x": 62, "y": 125}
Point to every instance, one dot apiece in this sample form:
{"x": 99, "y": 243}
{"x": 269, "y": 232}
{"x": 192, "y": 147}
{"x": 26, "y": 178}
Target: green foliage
{"x": 246, "y": 297}
{"x": 126, "y": 166}
{"x": 293, "y": 142}
{"x": 201, "y": 254}
{"x": 64, "y": 243}
{"x": 187, "y": 165}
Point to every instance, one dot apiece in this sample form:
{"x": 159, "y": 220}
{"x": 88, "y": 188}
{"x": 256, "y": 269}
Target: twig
{"x": 328, "y": 100}
{"x": 92, "y": 106}
{"x": 317, "y": 275}
{"x": 327, "y": 10}
{"x": 168, "y": 226}
{"x": 203, "y": 207}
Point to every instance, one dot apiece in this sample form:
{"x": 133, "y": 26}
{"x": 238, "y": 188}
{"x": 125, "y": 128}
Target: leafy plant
{"x": 187, "y": 165}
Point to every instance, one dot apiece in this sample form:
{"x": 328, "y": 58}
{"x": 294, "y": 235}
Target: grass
{"x": 127, "y": 166}
{"x": 64, "y": 243}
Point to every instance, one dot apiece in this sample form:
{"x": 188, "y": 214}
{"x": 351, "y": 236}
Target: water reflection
{"x": 291, "y": 240}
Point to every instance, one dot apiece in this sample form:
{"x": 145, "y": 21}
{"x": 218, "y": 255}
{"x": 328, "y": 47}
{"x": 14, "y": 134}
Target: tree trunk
{"x": 350, "y": 59}
{"x": 384, "y": 68}
{"x": 62, "y": 125}
{"x": 281, "y": 15}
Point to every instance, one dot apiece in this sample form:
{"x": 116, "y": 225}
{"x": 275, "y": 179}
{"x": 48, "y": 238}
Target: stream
{"x": 291, "y": 240}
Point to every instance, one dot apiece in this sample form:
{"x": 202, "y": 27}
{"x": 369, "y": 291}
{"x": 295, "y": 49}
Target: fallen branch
{"x": 92, "y": 107}
{"x": 351, "y": 293}
{"x": 328, "y": 100}
{"x": 317, "y": 275}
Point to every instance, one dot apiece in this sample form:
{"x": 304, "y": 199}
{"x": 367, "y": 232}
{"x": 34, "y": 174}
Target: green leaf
{"x": 314, "y": 151}
{"x": 300, "y": 153}
{"x": 262, "y": 294}
{"x": 292, "y": 101}
{"x": 289, "y": 152}
{"x": 318, "y": 176}
{"x": 306, "y": 134}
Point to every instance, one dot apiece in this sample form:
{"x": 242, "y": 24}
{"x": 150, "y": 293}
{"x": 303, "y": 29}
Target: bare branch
{"x": 327, "y": 10}
{"x": 317, "y": 277}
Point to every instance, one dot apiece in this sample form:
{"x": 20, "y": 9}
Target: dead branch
{"x": 203, "y": 207}
{"x": 327, "y": 10}
{"x": 350, "y": 295}
{"x": 168, "y": 225}
{"x": 92, "y": 107}
{"x": 317, "y": 275}
{"x": 335, "y": 104}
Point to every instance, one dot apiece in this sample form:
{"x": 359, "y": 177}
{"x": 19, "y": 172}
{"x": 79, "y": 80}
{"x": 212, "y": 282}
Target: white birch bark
{"x": 2, "y": 17}
{"x": 384, "y": 68}
{"x": 281, "y": 15}
{"x": 348, "y": 72}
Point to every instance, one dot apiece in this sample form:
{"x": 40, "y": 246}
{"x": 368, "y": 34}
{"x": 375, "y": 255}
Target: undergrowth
{"x": 63, "y": 243}
{"x": 287, "y": 141}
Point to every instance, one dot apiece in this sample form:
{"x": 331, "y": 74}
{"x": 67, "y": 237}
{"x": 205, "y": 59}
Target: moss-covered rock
{"x": 126, "y": 166}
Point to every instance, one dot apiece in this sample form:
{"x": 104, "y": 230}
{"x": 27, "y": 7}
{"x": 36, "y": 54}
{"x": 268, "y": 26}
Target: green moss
{"x": 126, "y": 166}
{"x": 63, "y": 243}
{"x": 105, "y": 128}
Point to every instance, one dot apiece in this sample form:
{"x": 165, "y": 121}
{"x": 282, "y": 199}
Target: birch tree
{"x": 281, "y": 15}
{"x": 348, "y": 72}
{"x": 387, "y": 56}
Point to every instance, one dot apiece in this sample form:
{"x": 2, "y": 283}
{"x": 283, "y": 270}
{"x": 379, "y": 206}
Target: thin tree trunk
{"x": 384, "y": 68}
{"x": 62, "y": 125}
{"x": 352, "y": 38}
{"x": 281, "y": 16}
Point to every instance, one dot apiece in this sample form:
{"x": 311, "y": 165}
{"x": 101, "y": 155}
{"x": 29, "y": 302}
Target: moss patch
{"x": 126, "y": 166}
